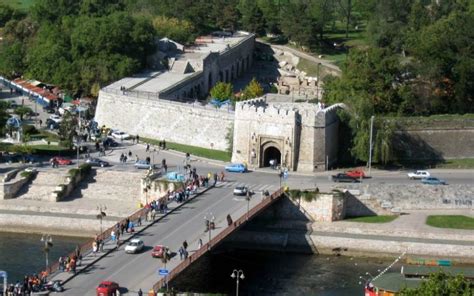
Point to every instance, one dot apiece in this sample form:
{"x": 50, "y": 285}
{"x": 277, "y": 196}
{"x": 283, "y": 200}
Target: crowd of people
{"x": 30, "y": 283}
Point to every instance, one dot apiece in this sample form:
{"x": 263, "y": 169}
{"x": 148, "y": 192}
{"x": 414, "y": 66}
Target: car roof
{"x": 158, "y": 247}
{"x": 135, "y": 240}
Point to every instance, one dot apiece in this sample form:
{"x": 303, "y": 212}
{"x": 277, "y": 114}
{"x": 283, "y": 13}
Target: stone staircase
{"x": 43, "y": 185}
{"x": 109, "y": 185}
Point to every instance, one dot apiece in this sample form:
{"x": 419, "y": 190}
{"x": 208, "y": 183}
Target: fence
{"x": 219, "y": 237}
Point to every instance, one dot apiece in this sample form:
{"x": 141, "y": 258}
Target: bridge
{"x": 184, "y": 221}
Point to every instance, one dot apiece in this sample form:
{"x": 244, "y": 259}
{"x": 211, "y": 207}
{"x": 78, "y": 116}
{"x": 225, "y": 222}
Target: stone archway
{"x": 270, "y": 152}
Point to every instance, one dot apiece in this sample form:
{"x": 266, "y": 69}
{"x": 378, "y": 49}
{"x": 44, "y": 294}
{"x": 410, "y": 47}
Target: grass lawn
{"x": 451, "y": 221}
{"x": 21, "y": 4}
{"x": 193, "y": 150}
{"x": 465, "y": 163}
{"x": 373, "y": 219}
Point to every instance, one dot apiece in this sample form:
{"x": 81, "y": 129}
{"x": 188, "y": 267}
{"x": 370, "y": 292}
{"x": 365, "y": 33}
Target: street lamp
{"x": 237, "y": 275}
{"x": 317, "y": 83}
{"x": 47, "y": 245}
{"x": 370, "y": 144}
{"x": 101, "y": 215}
{"x": 209, "y": 222}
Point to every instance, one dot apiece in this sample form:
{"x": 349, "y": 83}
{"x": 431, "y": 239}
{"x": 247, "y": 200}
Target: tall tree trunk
{"x": 348, "y": 16}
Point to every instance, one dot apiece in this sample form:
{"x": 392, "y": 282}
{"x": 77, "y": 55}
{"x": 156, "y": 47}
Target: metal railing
{"x": 218, "y": 238}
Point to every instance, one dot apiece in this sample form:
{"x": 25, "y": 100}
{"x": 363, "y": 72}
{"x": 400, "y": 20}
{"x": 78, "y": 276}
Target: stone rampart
{"x": 434, "y": 143}
{"x": 162, "y": 119}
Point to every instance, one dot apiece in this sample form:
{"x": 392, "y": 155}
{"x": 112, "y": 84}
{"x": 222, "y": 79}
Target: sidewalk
{"x": 89, "y": 258}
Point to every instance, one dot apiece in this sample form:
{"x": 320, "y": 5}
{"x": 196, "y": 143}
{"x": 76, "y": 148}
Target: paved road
{"x": 140, "y": 271}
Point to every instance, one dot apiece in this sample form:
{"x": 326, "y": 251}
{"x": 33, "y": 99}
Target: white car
{"x": 56, "y": 118}
{"x": 418, "y": 175}
{"x": 134, "y": 246}
{"x": 120, "y": 135}
{"x": 240, "y": 190}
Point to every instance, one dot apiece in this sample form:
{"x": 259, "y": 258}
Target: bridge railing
{"x": 218, "y": 238}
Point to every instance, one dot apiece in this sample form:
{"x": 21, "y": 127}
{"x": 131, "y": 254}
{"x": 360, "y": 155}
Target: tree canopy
{"x": 441, "y": 284}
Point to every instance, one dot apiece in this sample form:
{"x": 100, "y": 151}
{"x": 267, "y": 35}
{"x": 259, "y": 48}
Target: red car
{"x": 61, "y": 160}
{"x": 107, "y": 288}
{"x": 158, "y": 251}
{"x": 358, "y": 173}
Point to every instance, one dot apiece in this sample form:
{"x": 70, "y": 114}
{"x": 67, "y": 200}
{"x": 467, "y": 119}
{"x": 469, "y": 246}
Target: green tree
{"x": 441, "y": 284}
{"x": 67, "y": 130}
{"x": 298, "y": 24}
{"x": 224, "y": 14}
{"x": 222, "y": 91}
{"x": 181, "y": 31}
{"x": 252, "y": 17}
{"x": 11, "y": 58}
{"x": 22, "y": 111}
{"x": 252, "y": 90}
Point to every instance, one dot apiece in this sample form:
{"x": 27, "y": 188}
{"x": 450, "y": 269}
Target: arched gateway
{"x": 270, "y": 152}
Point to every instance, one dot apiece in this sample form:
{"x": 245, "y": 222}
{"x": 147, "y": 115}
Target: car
{"x": 418, "y": 175}
{"x": 56, "y": 118}
{"x": 143, "y": 164}
{"x": 240, "y": 190}
{"x": 108, "y": 288}
{"x": 120, "y": 135}
{"x": 61, "y": 160}
{"x": 110, "y": 142}
{"x": 97, "y": 162}
{"x": 158, "y": 251}
{"x": 236, "y": 168}
{"x": 134, "y": 246}
{"x": 10, "y": 158}
{"x": 433, "y": 181}
{"x": 51, "y": 124}
{"x": 341, "y": 177}
{"x": 357, "y": 173}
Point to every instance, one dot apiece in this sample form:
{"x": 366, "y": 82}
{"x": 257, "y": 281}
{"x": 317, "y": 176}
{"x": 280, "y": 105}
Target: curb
{"x": 132, "y": 236}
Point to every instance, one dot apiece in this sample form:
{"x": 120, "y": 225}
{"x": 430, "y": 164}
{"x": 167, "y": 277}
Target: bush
{"x": 26, "y": 174}
{"x": 85, "y": 169}
{"x": 30, "y": 130}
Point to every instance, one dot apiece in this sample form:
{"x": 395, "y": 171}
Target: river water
{"x": 266, "y": 273}
{"x": 22, "y": 254}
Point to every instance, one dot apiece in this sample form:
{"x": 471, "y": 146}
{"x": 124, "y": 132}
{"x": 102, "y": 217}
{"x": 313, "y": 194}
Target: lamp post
{"x": 47, "y": 245}
{"x": 237, "y": 275}
{"x": 209, "y": 221}
{"x": 101, "y": 215}
{"x": 317, "y": 83}
{"x": 370, "y": 144}
{"x": 78, "y": 143}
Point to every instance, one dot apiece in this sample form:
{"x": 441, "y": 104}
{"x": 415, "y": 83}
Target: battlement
{"x": 257, "y": 108}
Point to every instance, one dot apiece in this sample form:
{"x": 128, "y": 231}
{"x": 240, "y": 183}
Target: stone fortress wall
{"x": 162, "y": 119}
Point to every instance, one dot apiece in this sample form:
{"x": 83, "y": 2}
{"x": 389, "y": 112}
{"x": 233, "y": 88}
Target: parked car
{"x": 418, "y": 175}
{"x": 358, "y": 173}
{"x": 56, "y": 118}
{"x": 236, "y": 168}
{"x": 143, "y": 164}
{"x": 120, "y": 135}
{"x": 158, "y": 251}
{"x": 61, "y": 160}
{"x": 110, "y": 142}
{"x": 240, "y": 190}
{"x": 341, "y": 177}
{"x": 51, "y": 124}
{"x": 134, "y": 246}
{"x": 107, "y": 288}
{"x": 433, "y": 181}
{"x": 97, "y": 162}
{"x": 10, "y": 158}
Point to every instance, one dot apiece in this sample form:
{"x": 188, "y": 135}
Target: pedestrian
{"x": 229, "y": 220}
{"x": 94, "y": 247}
{"x": 136, "y": 156}
{"x": 140, "y": 293}
{"x": 181, "y": 252}
{"x": 215, "y": 179}
{"x": 200, "y": 243}
{"x": 125, "y": 159}
{"x": 166, "y": 168}
{"x": 147, "y": 147}
{"x": 61, "y": 263}
{"x": 185, "y": 245}
{"x": 138, "y": 139}
{"x": 112, "y": 235}
{"x": 139, "y": 221}
{"x": 40, "y": 122}
{"x": 129, "y": 153}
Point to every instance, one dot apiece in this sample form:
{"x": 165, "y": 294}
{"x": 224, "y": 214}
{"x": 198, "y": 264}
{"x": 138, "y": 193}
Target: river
{"x": 22, "y": 253}
{"x": 266, "y": 273}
